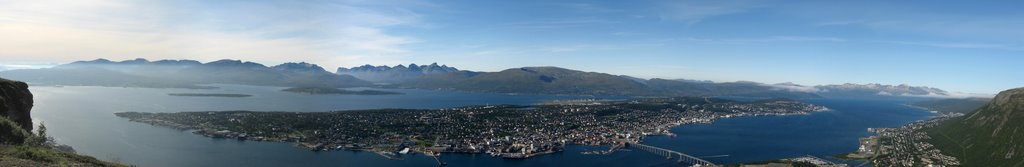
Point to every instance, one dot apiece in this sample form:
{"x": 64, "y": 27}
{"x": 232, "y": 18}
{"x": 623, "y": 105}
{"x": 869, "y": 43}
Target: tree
{"x": 41, "y": 132}
{"x": 40, "y": 138}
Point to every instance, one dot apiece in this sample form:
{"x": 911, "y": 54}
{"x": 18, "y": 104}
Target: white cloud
{"x": 793, "y": 88}
{"x": 559, "y": 23}
{"x": 955, "y": 95}
{"x": 324, "y": 33}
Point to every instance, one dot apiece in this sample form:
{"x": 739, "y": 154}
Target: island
{"x": 509, "y": 131}
{"x": 326, "y": 90}
{"x": 209, "y": 94}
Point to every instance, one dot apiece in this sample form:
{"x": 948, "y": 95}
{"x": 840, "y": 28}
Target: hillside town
{"x": 905, "y": 146}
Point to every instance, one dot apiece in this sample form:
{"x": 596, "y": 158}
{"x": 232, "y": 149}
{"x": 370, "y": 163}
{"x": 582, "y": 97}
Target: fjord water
{"x": 825, "y": 134}
{"x": 82, "y": 117}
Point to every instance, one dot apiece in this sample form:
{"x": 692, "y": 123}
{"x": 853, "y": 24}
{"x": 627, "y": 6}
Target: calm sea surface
{"x": 83, "y": 118}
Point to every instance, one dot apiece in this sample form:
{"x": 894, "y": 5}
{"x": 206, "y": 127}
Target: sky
{"x": 959, "y": 46}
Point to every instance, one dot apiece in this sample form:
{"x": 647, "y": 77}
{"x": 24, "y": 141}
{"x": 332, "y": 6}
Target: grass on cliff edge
{"x": 19, "y": 147}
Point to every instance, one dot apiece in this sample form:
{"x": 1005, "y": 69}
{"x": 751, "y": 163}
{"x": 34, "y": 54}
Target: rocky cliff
{"x": 16, "y": 102}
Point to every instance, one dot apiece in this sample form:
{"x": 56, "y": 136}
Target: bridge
{"x": 669, "y": 154}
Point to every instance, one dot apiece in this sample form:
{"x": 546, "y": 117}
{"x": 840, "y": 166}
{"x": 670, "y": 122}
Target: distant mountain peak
{"x": 92, "y": 62}
{"x": 299, "y": 67}
{"x": 226, "y": 61}
{"x": 176, "y": 62}
{"x": 635, "y": 79}
{"x": 136, "y": 61}
{"x": 397, "y": 73}
{"x": 788, "y": 84}
{"x": 133, "y": 62}
{"x": 234, "y": 63}
{"x": 101, "y": 60}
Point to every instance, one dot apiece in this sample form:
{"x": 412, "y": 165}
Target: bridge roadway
{"x": 669, "y": 154}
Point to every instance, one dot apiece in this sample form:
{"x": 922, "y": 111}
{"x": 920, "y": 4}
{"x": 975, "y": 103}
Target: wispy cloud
{"x": 626, "y": 34}
{"x": 801, "y": 39}
{"x": 268, "y": 32}
{"x": 767, "y": 39}
{"x": 839, "y": 23}
{"x": 954, "y": 45}
{"x": 560, "y": 23}
{"x": 694, "y": 11}
{"x": 586, "y": 7}
{"x": 902, "y": 19}
{"x": 16, "y": 66}
{"x": 952, "y": 26}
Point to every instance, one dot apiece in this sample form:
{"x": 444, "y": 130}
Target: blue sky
{"x": 962, "y": 46}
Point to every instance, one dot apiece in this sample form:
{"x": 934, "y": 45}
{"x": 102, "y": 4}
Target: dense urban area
{"x": 905, "y": 146}
{"x": 499, "y": 130}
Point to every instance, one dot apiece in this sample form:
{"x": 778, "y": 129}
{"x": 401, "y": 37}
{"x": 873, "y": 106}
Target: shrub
{"x": 12, "y": 133}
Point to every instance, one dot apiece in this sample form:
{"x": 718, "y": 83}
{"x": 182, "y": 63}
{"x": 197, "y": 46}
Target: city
{"x": 507, "y": 131}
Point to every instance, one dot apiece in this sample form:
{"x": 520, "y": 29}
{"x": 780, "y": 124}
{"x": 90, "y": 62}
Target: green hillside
{"x": 991, "y": 136}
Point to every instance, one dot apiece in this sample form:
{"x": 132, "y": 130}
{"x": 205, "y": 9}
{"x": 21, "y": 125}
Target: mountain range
{"x": 525, "y": 80}
{"x": 184, "y": 74}
{"x": 399, "y": 73}
{"x": 992, "y": 135}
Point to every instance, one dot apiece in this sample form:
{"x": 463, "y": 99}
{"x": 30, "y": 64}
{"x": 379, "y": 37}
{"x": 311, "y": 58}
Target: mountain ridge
{"x": 185, "y": 74}
{"x": 528, "y": 80}
{"x": 398, "y": 73}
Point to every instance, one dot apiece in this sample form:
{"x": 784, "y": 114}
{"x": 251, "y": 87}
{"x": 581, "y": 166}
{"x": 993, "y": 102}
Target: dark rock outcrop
{"x": 16, "y": 102}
